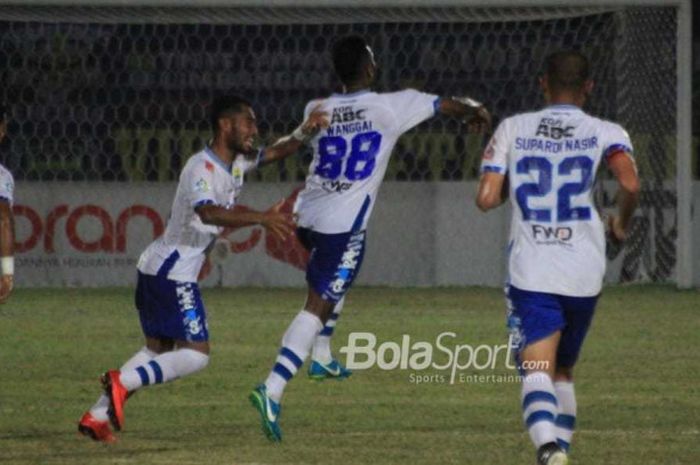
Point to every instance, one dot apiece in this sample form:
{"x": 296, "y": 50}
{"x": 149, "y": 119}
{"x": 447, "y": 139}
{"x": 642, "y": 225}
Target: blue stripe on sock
{"x": 291, "y": 356}
{"x": 327, "y": 331}
{"x": 563, "y": 444}
{"x": 539, "y": 415}
{"x": 282, "y": 371}
{"x": 157, "y": 371}
{"x": 143, "y": 374}
{"x": 334, "y": 316}
{"x": 538, "y": 396}
{"x": 566, "y": 421}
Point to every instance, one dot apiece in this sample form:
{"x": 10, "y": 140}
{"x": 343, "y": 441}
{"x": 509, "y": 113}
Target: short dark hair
{"x": 567, "y": 70}
{"x": 224, "y": 105}
{"x": 350, "y": 55}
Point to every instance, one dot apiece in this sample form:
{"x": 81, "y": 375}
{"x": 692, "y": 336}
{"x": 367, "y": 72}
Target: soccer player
{"x": 7, "y": 222}
{"x": 168, "y": 300}
{"x": 349, "y": 162}
{"x": 557, "y": 241}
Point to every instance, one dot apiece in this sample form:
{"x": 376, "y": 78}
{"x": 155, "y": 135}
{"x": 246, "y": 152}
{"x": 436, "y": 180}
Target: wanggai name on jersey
{"x": 349, "y": 128}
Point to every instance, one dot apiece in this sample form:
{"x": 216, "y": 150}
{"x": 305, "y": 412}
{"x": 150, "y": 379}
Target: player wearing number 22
{"x": 557, "y": 242}
{"x": 350, "y": 158}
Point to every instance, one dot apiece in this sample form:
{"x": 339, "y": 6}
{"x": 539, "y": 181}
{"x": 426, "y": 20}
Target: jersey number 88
{"x": 360, "y": 164}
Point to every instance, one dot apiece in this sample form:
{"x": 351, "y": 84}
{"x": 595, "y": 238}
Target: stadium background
{"x": 105, "y": 113}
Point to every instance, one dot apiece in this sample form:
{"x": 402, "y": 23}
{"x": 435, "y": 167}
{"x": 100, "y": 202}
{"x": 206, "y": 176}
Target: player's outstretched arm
{"x": 622, "y": 166}
{"x": 474, "y": 113}
{"x": 493, "y": 191}
{"x": 279, "y": 224}
{"x": 7, "y": 241}
{"x": 291, "y": 143}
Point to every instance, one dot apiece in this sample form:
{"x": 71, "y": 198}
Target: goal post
{"x": 71, "y": 128}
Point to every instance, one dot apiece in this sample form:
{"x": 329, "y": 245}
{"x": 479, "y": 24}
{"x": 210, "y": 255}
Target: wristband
{"x": 299, "y": 135}
{"x": 8, "y": 265}
{"x": 468, "y": 101}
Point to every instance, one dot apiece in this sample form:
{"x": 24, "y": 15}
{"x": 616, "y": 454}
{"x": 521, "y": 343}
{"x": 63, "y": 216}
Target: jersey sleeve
{"x": 7, "y": 187}
{"x": 412, "y": 107}
{"x": 495, "y": 157}
{"x": 615, "y": 140}
{"x": 198, "y": 181}
{"x": 311, "y": 106}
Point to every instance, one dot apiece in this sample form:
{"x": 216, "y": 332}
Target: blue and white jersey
{"x": 557, "y": 239}
{"x": 180, "y": 252}
{"x": 352, "y": 154}
{"x": 7, "y": 185}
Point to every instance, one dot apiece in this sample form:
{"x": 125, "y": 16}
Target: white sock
{"x": 99, "y": 410}
{"x": 566, "y": 418}
{"x": 539, "y": 404}
{"x": 322, "y": 344}
{"x": 296, "y": 345}
{"x": 165, "y": 367}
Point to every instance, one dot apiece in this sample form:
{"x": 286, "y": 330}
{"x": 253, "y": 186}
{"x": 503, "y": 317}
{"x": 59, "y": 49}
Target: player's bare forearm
{"x": 281, "y": 149}
{"x": 627, "y": 204}
{"x": 220, "y": 216}
{"x": 623, "y": 168}
{"x": 274, "y": 220}
{"x": 7, "y": 245}
{"x": 457, "y": 109}
{"x": 492, "y": 192}
{"x": 291, "y": 143}
{"x": 473, "y": 112}
{"x": 7, "y": 230}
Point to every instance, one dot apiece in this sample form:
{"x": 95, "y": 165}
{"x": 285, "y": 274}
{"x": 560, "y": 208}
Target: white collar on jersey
{"x": 563, "y": 106}
{"x": 216, "y": 158}
{"x": 354, "y": 94}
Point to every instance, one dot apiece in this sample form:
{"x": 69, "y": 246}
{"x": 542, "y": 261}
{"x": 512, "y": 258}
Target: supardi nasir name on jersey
{"x": 555, "y": 220}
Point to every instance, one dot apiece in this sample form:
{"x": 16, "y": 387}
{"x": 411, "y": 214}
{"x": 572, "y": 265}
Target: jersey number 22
{"x": 565, "y": 212}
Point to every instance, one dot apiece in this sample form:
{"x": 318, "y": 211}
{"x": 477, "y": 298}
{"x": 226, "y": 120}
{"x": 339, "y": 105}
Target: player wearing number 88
{"x": 557, "y": 240}
{"x": 349, "y": 162}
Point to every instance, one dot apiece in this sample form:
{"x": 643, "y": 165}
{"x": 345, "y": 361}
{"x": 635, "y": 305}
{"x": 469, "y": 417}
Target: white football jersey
{"x": 352, "y": 154}
{"x": 557, "y": 239}
{"x": 180, "y": 252}
{"x": 7, "y": 185}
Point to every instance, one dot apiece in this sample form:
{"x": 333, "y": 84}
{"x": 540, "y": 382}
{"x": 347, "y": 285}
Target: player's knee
{"x": 318, "y": 306}
{"x": 159, "y": 345}
{"x": 564, "y": 374}
{"x": 201, "y": 347}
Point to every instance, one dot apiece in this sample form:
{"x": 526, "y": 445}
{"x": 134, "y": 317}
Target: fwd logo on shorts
{"x": 363, "y": 352}
{"x": 551, "y": 235}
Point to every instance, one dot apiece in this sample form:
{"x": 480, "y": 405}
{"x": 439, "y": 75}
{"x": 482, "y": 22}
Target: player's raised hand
{"x": 480, "y": 122}
{"x": 278, "y": 223}
{"x": 316, "y": 121}
{"x": 6, "y": 285}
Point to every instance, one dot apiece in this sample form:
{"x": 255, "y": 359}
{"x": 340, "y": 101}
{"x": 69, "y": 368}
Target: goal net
{"x": 115, "y": 99}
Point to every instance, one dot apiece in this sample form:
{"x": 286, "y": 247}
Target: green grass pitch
{"x": 638, "y": 383}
